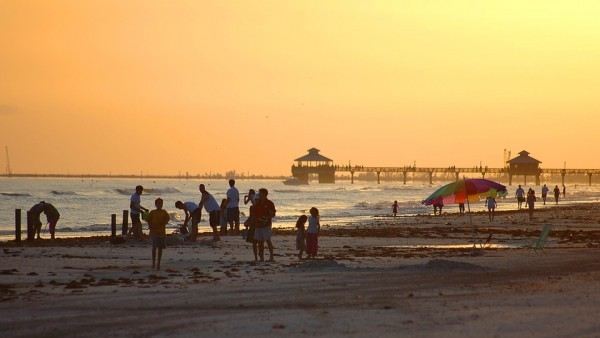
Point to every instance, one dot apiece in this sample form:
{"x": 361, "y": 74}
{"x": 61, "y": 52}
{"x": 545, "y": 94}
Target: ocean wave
{"x": 153, "y": 191}
{"x": 287, "y": 190}
{"x": 14, "y": 194}
{"x": 63, "y": 193}
{"x": 387, "y": 205}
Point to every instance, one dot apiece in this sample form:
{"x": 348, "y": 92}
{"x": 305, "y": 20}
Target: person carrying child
{"x": 301, "y": 235}
{"x": 312, "y": 233}
{"x": 157, "y": 221}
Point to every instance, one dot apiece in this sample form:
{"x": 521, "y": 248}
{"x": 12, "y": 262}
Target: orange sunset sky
{"x": 169, "y": 86}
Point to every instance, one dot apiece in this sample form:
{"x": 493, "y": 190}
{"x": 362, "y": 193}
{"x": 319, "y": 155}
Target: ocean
{"x": 86, "y": 204}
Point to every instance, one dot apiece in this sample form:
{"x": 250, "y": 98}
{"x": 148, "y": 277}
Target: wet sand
{"x": 373, "y": 279}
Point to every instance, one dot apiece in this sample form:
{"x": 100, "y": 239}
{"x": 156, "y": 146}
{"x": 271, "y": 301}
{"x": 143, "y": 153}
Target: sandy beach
{"x": 405, "y": 276}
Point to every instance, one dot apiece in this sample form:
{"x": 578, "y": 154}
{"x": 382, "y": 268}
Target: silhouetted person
{"x": 214, "y": 210}
{"x": 265, "y": 211}
{"x": 250, "y": 222}
{"x": 490, "y": 203}
{"x": 564, "y": 191}
{"x": 157, "y": 221}
{"x": 531, "y": 202}
{"x": 545, "y": 190}
{"x": 312, "y": 233}
{"x": 556, "y": 194}
{"x": 395, "y": 208}
{"x": 461, "y": 208}
{"x": 52, "y": 216}
{"x": 192, "y": 213}
{"x": 136, "y": 208}
{"x": 223, "y": 217}
{"x": 34, "y": 217}
{"x": 233, "y": 207}
{"x": 438, "y": 204}
{"x": 520, "y": 194}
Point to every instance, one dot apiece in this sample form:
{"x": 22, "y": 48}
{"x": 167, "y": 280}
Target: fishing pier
{"x": 521, "y": 166}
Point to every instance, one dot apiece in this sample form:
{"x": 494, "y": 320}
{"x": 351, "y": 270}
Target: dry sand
{"x": 370, "y": 280}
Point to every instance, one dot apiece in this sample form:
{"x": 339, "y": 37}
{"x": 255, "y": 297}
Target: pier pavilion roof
{"x": 313, "y": 156}
{"x": 523, "y": 158}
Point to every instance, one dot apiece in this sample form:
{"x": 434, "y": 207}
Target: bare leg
{"x": 270, "y": 245}
{"x": 255, "y": 250}
{"x": 153, "y": 257}
{"x": 159, "y": 258}
{"x": 261, "y": 250}
{"x": 215, "y": 234}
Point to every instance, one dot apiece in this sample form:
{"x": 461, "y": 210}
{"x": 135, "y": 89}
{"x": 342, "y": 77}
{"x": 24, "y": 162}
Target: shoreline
{"x": 507, "y": 223}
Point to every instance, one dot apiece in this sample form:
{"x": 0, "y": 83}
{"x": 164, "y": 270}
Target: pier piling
{"x": 404, "y": 177}
{"x": 30, "y": 227}
{"x": 113, "y": 225}
{"x": 125, "y": 222}
{"x": 379, "y": 177}
{"x": 18, "y": 225}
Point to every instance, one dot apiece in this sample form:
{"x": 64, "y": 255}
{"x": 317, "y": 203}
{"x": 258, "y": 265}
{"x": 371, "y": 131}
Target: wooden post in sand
{"x": 125, "y": 224}
{"x": 30, "y": 227}
{"x": 113, "y": 225}
{"x": 18, "y": 225}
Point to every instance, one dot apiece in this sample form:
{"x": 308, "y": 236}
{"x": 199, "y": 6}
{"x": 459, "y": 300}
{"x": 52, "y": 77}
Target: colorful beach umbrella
{"x": 466, "y": 190}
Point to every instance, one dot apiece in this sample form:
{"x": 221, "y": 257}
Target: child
{"x": 312, "y": 233}
{"x": 223, "y": 217}
{"x": 157, "y": 220}
{"x": 490, "y": 202}
{"x": 301, "y": 235}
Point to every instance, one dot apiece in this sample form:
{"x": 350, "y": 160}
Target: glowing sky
{"x": 199, "y": 86}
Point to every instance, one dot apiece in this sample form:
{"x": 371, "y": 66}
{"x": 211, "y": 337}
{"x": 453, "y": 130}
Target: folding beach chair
{"x": 487, "y": 242}
{"x": 541, "y": 241}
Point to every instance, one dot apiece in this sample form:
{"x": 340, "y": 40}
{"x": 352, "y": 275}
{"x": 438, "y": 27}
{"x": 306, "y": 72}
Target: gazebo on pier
{"x": 314, "y": 163}
{"x": 524, "y": 165}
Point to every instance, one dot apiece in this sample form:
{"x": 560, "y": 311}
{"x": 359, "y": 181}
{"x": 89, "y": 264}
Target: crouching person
{"x": 157, "y": 221}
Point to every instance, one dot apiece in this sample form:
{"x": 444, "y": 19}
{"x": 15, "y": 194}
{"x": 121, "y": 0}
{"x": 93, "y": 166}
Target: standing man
{"x": 265, "y": 211}
{"x": 192, "y": 212}
{"x": 214, "y": 211}
{"x": 135, "y": 206}
{"x": 556, "y": 194}
{"x": 564, "y": 191}
{"x": 233, "y": 207}
{"x": 544, "y": 193}
{"x": 520, "y": 194}
{"x": 52, "y": 216}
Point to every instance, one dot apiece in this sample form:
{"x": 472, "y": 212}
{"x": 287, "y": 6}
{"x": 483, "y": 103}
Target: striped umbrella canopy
{"x": 465, "y": 190}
